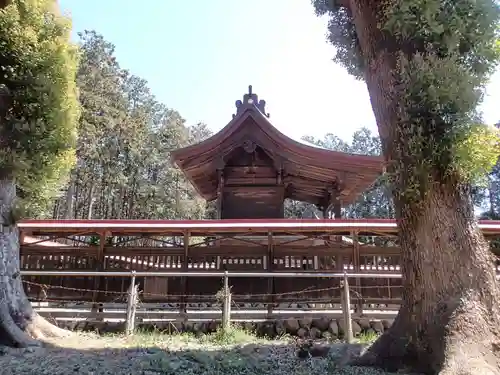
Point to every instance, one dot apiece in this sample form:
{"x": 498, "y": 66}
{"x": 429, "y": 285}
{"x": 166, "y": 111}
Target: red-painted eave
{"x": 278, "y": 226}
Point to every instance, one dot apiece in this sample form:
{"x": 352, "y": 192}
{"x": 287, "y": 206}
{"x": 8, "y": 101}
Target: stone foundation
{"x": 322, "y": 328}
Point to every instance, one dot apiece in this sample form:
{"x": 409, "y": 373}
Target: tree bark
{"x": 20, "y": 325}
{"x": 91, "y": 201}
{"x": 450, "y": 317}
{"x": 70, "y": 201}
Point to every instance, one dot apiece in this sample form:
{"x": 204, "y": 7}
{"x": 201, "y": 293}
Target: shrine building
{"x": 250, "y": 168}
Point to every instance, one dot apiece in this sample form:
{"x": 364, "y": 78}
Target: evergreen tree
{"x": 123, "y": 168}
{"x": 38, "y": 117}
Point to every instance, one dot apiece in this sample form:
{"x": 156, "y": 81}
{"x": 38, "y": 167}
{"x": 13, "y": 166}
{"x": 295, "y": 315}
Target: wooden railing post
{"x": 346, "y": 307}
{"x": 184, "y": 279}
{"x": 226, "y": 304}
{"x": 270, "y": 268}
{"x": 97, "y": 309}
{"x": 357, "y": 269}
{"x": 131, "y": 306}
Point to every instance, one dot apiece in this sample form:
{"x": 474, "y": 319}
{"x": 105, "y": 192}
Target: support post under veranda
{"x": 226, "y": 304}
{"x": 132, "y": 300}
{"x": 20, "y": 324}
{"x": 346, "y": 310}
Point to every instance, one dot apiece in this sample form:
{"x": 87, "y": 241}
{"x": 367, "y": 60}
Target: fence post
{"x": 346, "y": 307}
{"x": 131, "y": 306}
{"x": 226, "y": 304}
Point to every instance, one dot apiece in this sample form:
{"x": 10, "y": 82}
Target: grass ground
{"x": 238, "y": 353}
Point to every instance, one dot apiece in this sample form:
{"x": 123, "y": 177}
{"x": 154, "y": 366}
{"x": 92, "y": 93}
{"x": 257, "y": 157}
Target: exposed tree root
{"x": 21, "y": 326}
{"x": 463, "y": 340}
{"x": 35, "y": 331}
{"x": 11, "y": 333}
{"x": 390, "y": 350}
{"x": 40, "y": 329}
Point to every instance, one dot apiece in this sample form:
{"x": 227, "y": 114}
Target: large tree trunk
{"x": 20, "y": 325}
{"x": 450, "y": 318}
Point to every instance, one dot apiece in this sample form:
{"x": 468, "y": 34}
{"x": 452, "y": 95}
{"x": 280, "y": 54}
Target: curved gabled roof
{"x": 308, "y": 170}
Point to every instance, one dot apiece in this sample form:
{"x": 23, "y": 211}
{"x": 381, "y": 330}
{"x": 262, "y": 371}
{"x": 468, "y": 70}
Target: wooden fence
{"x": 292, "y": 249}
{"x": 134, "y": 312}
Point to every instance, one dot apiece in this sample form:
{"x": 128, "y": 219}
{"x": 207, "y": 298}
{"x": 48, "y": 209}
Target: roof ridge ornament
{"x": 249, "y": 99}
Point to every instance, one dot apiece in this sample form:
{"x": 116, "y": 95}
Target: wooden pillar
{"x": 270, "y": 268}
{"x": 333, "y": 204}
{"x": 279, "y": 182}
{"x": 22, "y": 236}
{"x": 333, "y": 208}
{"x": 99, "y": 280}
{"x": 185, "y": 268}
{"x": 357, "y": 269}
{"x": 220, "y": 191}
{"x": 337, "y": 208}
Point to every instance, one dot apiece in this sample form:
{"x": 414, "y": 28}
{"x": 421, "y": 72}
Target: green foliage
{"x": 342, "y": 35}
{"x": 376, "y": 202}
{"x": 39, "y": 101}
{"x": 487, "y": 196}
{"x": 478, "y": 153}
{"x": 232, "y": 335}
{"x": 367, "y": 338}
{"x": 453, "y": 52}
{"x": 444, "y": 53}
{"x": 464, "y": 30}
{"x": 125, "y": 136}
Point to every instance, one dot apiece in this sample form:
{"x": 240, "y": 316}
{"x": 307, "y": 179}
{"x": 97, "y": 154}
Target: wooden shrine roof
{"x": 308, "y": 171}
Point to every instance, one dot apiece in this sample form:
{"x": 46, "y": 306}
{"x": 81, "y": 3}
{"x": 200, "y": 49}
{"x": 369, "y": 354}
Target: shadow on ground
{"x": 93, "y": 355}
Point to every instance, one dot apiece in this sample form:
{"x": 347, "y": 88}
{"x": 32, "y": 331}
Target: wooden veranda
{"x": 367, "y": 246}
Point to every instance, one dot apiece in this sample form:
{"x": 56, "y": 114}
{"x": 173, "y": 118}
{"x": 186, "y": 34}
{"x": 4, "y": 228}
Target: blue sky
{"x": 199, "y": 56}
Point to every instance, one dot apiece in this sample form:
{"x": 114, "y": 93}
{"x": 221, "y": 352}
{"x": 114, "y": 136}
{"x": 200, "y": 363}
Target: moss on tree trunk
{"x": 449, "y": 319}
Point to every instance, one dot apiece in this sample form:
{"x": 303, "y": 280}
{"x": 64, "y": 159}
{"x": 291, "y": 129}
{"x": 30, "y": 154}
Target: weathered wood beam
{"x": 257, "y": 180}
{"x": 243, "y": 171}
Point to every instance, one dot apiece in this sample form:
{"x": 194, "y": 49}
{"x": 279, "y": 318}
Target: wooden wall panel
{"x": 252, "y": 202}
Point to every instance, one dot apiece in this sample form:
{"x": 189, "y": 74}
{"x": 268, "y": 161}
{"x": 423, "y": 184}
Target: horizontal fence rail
{"x": 220, "y": 226}
{"x": 210, "y": 274}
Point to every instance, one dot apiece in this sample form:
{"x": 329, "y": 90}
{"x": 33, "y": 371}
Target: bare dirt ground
{"x": 237, "y": 353}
